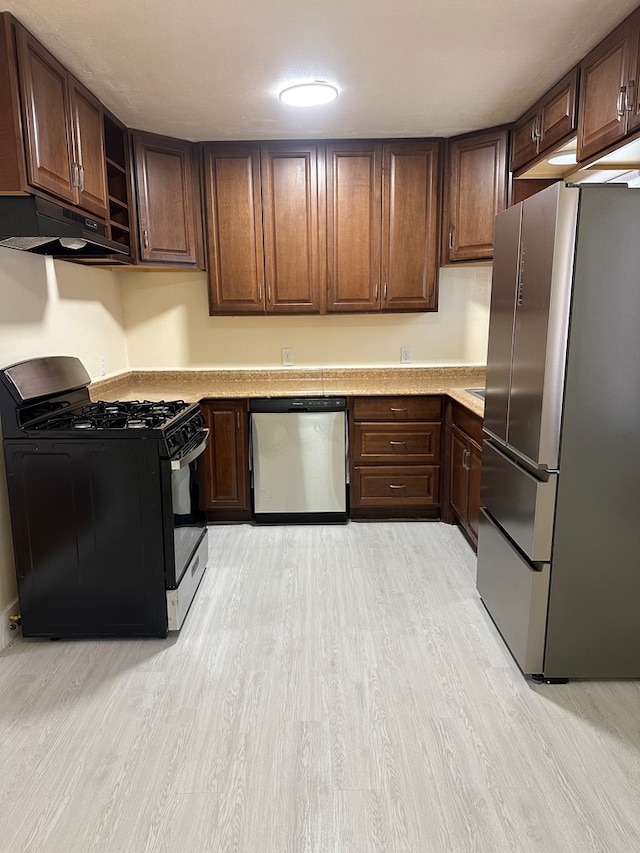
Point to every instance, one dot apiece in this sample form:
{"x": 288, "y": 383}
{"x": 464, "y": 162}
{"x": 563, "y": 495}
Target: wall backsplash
{"x": 52, "y": 307}
{"x": 167, "y": 325}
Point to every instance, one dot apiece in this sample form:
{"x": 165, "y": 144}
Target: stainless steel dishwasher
{"x": 299, "y": 459}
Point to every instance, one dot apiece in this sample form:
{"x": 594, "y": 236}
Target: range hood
{"x": 34, "y": 224}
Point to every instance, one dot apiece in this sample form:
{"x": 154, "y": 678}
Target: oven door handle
{"x": 190, "y": 455}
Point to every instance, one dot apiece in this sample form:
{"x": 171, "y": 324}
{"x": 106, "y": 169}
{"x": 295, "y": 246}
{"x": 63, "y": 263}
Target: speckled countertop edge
{"x": 195, "y": 385}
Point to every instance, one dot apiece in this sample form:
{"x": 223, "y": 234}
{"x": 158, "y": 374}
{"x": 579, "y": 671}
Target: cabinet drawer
{"x": 396, "y": 408}
{"x": 405, "y": 485}
{"x": 396, "y": 442}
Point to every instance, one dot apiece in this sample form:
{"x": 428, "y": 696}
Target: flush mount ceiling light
{"x": 309, "y": 94}
{"x": 563, "y": 159}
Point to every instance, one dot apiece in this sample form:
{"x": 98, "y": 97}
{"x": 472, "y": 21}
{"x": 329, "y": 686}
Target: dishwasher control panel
{"x": 298, "y": 404}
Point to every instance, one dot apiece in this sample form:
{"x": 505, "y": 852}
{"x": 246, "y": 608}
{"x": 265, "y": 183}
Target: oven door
{"x": 188, "y": 521}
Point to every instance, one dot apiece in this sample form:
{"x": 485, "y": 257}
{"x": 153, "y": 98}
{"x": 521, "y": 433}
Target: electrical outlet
{"x": 405, "y": 355}
{"x": 102, "y": 365}
{"x": 287, "y": 356}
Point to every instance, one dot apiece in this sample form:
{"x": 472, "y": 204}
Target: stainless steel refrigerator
{"x": 559, "y": 538}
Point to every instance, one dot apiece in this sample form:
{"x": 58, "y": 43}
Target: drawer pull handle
{"x": 397, "y": 485}
{"x": 403, "y": 443}
{"x": 391, "y": 409}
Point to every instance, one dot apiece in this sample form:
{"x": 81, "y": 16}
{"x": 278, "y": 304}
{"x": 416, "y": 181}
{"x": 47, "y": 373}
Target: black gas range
{"x": 108, "y": 533}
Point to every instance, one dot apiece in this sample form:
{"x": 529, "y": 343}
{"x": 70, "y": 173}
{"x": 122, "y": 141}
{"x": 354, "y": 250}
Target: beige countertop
{"x": 195, "y": 385}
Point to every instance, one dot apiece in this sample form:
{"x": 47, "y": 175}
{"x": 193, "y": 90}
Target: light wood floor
{"x": 335, "y": 689}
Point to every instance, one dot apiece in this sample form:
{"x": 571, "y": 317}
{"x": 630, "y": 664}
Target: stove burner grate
{"x": 128, "y": 414}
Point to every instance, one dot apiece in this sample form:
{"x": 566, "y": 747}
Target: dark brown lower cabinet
{"x": 225, "y": 483}
{"x": 465, "y": 463}
{"x": 395, "y": 457}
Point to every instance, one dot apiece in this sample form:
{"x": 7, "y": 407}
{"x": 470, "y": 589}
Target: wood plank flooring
{"x": 335, "y": 689}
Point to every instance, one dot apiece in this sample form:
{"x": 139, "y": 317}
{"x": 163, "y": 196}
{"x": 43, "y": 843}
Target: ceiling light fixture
{"x": 308, "y": 94}
{"x": 563, "y": 159}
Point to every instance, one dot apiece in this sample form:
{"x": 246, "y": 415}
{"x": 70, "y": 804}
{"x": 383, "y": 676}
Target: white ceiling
{"x": 204, "y": 69}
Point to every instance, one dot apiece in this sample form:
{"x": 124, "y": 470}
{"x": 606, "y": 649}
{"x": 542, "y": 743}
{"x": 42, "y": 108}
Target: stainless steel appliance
{"x": 34, "y": 224}
{"x": 299, "y": 459}
{"x": 108, "y": 534}
{"x": 558, "y": 552}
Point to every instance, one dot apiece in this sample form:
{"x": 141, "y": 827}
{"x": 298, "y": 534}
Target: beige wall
{"x": 53, "y": 308}
{"x": 168, "y": 325}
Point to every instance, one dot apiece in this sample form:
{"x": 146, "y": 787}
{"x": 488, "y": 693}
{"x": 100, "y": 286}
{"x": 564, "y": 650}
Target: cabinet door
{"x": 166, "y": 193}
{"x": 477, "y": 190}
{"x": 632, "y": 93}
{"x": 226, "y": 460}
{"x": 604, "y": 75}
{"x": 89, "y": 147}
{"x": 354, "y": 189}
{"x": 524, "y": 139}
{"x": 474, "y": 463}
{"x": 410, "y": 222}
{"x": 290, "y": 221}
{"x": 233, "y": 217}
{"x": 47, "y": 118}
{"x": 559, "y": 112}
{"x": 458, "y": 474}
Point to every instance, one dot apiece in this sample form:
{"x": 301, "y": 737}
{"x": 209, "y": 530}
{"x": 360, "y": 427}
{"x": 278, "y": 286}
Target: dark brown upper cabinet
{"x": 410, "y": 224}
{"x": 609, "y": 98}
{"x": 305, "y": 227}
{"x": 262, "y": 228}
{"x": 168, "y": 200}
{"x": 382, "y": 226}
{"x": 354, "y": 225}
{"x": 548, "y": 124}
{"x": 233, "y": 229}
{"x": 476, "y": 189}
{"x": 291, "y": 181}
{"x": 121, "y": 213}
{"x": 63, "y": 126}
